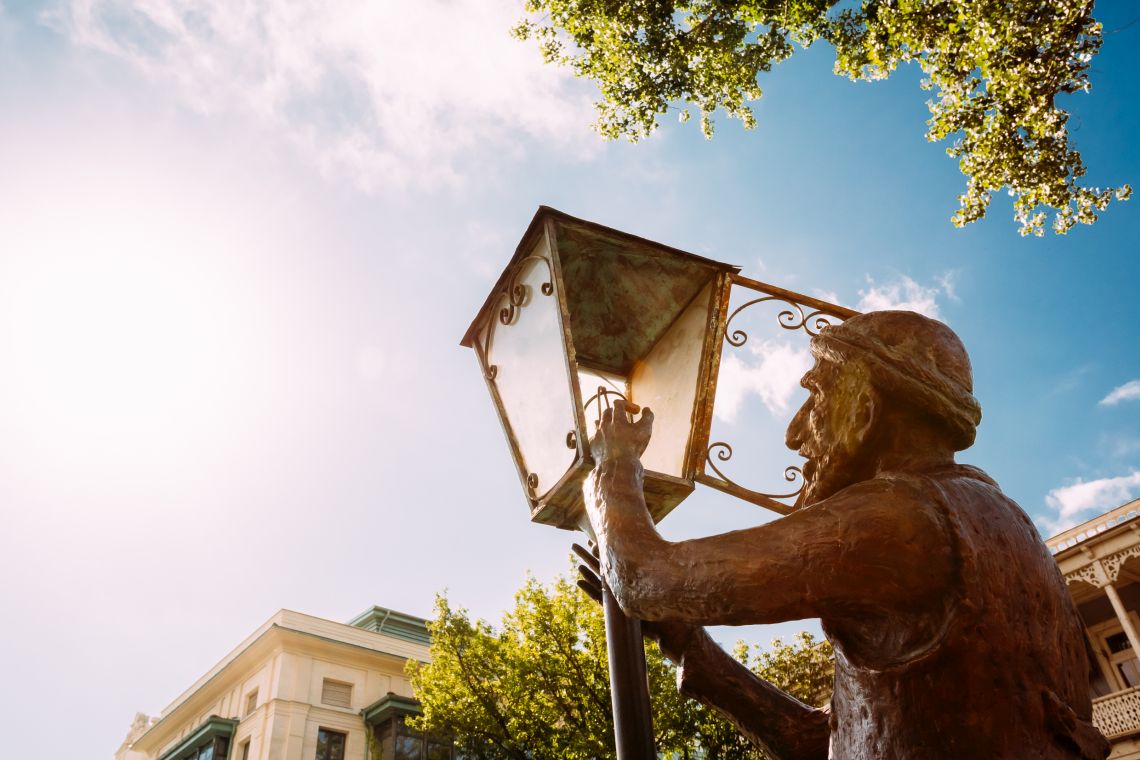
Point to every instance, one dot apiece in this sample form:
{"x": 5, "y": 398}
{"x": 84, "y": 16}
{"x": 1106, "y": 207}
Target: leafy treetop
{"x": 997, "y": 68}
{"x": 538, "y": 685}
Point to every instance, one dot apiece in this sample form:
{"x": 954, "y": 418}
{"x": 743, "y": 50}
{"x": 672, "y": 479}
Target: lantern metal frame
{"x": 801, "y": 312}
{"x": 559, "y": 503}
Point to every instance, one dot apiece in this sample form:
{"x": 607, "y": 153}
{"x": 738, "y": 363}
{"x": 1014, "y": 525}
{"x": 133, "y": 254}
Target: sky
{"x": 240, "y": 242}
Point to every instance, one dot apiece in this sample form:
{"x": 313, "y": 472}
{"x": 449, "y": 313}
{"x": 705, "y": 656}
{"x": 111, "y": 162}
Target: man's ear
{"x": 864, "y": 415}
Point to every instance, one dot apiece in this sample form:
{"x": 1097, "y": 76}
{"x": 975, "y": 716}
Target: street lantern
{"x": 585, "y": 314}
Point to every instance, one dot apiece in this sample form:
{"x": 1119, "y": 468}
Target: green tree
{"x": 537, "y": 686}
{"x": 997, "y": 69}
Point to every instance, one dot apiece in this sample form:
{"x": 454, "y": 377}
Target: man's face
{"x": 831, "y": 428}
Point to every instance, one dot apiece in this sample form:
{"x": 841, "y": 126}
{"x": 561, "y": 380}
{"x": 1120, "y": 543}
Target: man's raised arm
{"x": 874, "y": 547}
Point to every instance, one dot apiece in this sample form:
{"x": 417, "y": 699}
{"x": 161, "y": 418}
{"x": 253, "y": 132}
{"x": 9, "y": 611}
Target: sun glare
{"x": 119, "y": 331}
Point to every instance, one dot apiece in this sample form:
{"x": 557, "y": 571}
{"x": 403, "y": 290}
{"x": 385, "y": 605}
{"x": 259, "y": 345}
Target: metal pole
{"x": 629, "y": 683}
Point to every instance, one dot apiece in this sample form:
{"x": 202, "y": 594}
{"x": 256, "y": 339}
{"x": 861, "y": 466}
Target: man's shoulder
{"x": 914, "y": 492}
{"x": 893, "y": 485}
{"x": 920, "y": 484}
{"x": 888, "y": 496}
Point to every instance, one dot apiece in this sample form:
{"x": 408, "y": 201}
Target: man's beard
{"x": 816, "y": 488}
{"x": 828, "y": 475}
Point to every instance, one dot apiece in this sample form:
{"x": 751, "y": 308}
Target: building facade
{"x": 300, "y": 688}
{"x": 1100, "y": 560}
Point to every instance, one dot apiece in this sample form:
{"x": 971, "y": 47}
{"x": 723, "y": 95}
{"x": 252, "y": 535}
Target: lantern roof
{"x": 622, "y": 291}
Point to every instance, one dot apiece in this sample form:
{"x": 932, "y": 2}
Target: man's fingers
{"x": 646, "y": 420}
{"x": 592, "y": 591}
{"x": 587, "y": 575}
{"x": 622, "y": 408}
{"x": 586, "y": 556}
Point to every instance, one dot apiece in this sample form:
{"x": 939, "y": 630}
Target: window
{"x": 330, "y": 745}
{"x": 208, "y": 741}
{"x": 1115, "y": 665}
{"x": 409, "y": 747}
{"x": 1123, "y": 659}
{"x": 251, "y": 702}
{"x": 245, "y": 750}
{"x": 215, "y": 750}
{"x": 438, "y": 749}
{"x": 336, "y": 694}
{"x": 398, "y": 741}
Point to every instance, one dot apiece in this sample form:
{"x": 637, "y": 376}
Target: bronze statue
{"x": 953, "y": 633}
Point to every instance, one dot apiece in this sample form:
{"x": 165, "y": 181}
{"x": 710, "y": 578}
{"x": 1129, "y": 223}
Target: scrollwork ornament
{"x": 820, "y": 319}
{"x": 517, "y": 293}
{"x": 1087, "y": 574}
{"x": 724, "y": 452}
{"x": 1113, "y": 562}
{"x": 791, "y": 318}
{"x": 602, "y": 396}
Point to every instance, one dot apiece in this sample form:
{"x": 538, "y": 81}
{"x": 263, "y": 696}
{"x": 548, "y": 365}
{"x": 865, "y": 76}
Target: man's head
{"x": 882, "y": 382}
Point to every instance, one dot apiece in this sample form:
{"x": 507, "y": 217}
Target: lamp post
{"x": 584, "y": 314}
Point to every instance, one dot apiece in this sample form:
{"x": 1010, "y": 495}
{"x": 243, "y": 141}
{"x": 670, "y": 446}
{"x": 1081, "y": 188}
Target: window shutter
{"x": 336, "y": 694}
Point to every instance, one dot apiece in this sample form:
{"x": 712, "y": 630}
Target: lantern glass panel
{"x": 526, "y": 350}
{"x": 665, "y": 380}
{"x": 599, "y": 390}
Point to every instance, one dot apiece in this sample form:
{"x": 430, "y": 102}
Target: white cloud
{"x": 774, "y": 377}
{"x": 775, "y": 368}
{"x": 417, "y": 96}
{"x": 903, "y": 293}
{"x": 1072, "y": 501}
{"x": 949, "y": 282}
{"x": 827, "y": 295}
{"x": 1127, "y": 392}
{"x": 1120, "y": 445}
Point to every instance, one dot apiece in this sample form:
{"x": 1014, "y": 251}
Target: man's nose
{"x": 794, "y": 437}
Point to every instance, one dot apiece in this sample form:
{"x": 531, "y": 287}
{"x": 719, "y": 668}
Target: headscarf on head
{"x": 912, "y": 357}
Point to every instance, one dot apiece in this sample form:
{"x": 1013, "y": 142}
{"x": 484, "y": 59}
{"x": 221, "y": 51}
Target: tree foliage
{"x": 996, "y": 67}
{"x": 538, "y": 686}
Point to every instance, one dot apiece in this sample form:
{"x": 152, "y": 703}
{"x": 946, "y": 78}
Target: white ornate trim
{"x": 1118, "y": 714}
{"x": 1113, "y": 562}
{"x": 1087, "y": 574}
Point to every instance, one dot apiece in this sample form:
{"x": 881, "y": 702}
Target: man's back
{"x": 1004, "y": 644}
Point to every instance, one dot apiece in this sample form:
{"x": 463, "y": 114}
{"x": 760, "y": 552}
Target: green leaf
{"x": 537, "y": 684}
{"x": 996, "y": 70}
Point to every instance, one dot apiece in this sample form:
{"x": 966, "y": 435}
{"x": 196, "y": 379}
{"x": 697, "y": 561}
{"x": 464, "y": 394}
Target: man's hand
{"x": 615, "y": 486}
{"x": 673, "y": 638}
{"x": 619, "y": 436}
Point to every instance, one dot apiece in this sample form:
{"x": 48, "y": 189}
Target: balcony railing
{"x": 1099, "y": 524}
{"x": 1118, "y": 714}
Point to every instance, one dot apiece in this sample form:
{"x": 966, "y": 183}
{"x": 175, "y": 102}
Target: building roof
{"x": 389, "y": 705}
{"x": 392, "y": 623}
{"x": 1079, "y": 534}
{"x": 187, "y": 748}
{"x": 297, "y": 624}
